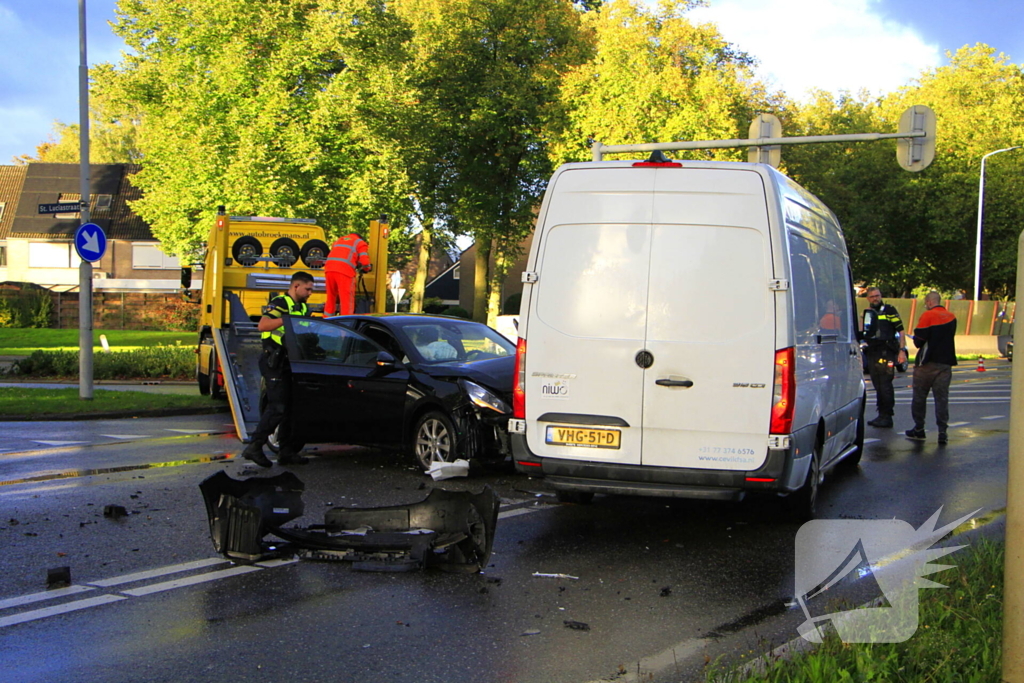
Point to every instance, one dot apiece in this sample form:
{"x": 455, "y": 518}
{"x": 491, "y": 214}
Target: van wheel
{"x": 577, "y": 497}
{"x": 801, "y": 504}
{"x": 434, "y": 439}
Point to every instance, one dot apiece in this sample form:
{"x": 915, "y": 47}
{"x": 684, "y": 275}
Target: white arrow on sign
{"x": 91, "y": 242}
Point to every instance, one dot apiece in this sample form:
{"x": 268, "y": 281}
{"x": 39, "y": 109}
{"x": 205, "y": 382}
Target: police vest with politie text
{"x": 880, "y": 328}
{"x": 278, "y": 306}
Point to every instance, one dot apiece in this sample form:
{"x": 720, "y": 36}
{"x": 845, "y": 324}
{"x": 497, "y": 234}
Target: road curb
{"x": 115, "y": 414}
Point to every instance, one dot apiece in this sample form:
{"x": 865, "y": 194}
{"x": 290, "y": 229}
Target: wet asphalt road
{"x": 662, "y": 584}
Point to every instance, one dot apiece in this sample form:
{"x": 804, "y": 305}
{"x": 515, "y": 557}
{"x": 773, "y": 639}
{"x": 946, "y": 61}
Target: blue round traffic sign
{"x": 90, "y": 242}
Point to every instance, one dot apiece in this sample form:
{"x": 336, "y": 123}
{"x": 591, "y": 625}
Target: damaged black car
{"x": 439, "y": 388}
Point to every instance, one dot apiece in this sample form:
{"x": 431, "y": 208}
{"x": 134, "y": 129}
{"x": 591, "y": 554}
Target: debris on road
{"x": 58, "y": 577}
{"x": 531, "y": 632}
{"x": 666, "y": 591}
{"x": 540, "y": 575}
{"x": 576, "y": 625}
{"x": 114, "y": 511}
{"x": 451, "y": 530}
{"x": 446, "y": 470}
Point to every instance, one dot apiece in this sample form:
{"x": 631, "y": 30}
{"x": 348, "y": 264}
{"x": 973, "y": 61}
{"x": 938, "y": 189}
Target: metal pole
{"x": 85, "y": 268}
{"x": 1013, "y": 568}
{"x": 981, "y": 210}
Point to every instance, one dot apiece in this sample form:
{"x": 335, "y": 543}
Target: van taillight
{"x": 519, "y": 388}
{"x": 784, "y": 392}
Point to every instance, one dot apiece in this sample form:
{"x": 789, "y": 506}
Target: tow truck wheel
{"x": 314, "y": 253}
{"x": 246, "y": 250}
{"x": 286, "y": 252}
{"x": 434, "y": 439}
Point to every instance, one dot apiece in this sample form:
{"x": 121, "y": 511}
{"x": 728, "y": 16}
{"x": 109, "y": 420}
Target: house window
{"x": 49, "y": 255}
{"x": 3, "y": 252}
{"x": 2, "y": 205}
{"x": 102, "y": 203}
{"x": 147, "y": 256}
{"x": 455, "y": 272}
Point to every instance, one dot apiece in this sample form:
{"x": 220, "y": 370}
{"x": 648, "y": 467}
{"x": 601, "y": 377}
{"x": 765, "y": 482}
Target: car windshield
{"x": 452, "y": 341}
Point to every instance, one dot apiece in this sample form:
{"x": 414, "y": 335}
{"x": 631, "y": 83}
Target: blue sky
{"x": 832, "y": 44}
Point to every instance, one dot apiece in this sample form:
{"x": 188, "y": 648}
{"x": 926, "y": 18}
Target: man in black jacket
{"x": 883, "y": 334}
{"x": 933, "y": 366}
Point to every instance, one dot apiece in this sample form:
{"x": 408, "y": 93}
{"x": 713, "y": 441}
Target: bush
{"x": 26, "y": 309}
{"x": 512, "y": 304}
{"x": 433, "y": 304}
{"x": 156, "y": 362}
{"x": 458, "y": 312}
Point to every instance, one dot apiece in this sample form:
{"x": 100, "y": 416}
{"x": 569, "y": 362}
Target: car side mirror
{"x": 385, "y": 360}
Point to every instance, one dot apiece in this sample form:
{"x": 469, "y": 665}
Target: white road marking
{"x": 993, "y": 417}
{"x": 867, "y": 441}
{"x": 190, "y": 581}
{"x": 188, "y": 431}
{"x": 59, "y": 609}
{"x": 517, "y": 512}
{"x": 279, "y": 562}
{"x": 162, "y": 571}
{"x": 957, "y": 424}
{"x": 46, "y": 595}
{"x": 59, "y": 443}
{"x": 126, "y": 436}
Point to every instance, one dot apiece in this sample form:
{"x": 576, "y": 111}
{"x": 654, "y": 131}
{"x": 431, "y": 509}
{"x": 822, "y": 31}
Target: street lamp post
{"x": 981, "y": 210}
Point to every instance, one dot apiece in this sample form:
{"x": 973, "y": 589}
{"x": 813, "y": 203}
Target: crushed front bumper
{"x": 451, "y": 530}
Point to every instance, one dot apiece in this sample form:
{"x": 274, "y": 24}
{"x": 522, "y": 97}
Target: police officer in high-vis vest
{"x": 883, "y": 335}
{"x": 276, "y": 371}
{"x": 349, "y": 254}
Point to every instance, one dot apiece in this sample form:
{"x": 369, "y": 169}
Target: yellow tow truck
{"x": 249, "y": 261}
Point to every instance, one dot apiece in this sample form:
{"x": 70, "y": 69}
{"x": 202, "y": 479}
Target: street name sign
{"x": 70, "y": 207}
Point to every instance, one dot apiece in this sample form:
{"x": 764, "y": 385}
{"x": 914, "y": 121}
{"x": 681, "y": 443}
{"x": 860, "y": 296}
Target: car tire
{"x": 246, "y": 250}
{"x": 434, "y": 439}
{"x": 801, "y": 505}
{"x": 576, "y": 497}
{"x": 314, "y": 254}
{"x": 285, "y": 251}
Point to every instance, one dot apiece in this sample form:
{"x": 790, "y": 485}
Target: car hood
{"x": 495, "y": 373}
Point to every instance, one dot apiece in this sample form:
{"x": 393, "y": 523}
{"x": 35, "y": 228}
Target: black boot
{"x": 254, "y": 452}
{"x": 882, "y": 422}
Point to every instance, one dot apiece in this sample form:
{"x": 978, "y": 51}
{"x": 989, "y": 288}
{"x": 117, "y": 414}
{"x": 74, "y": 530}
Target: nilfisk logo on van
{"x": 558, "y": 388}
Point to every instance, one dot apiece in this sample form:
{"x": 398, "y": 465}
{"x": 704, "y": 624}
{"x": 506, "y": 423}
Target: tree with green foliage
{"x": 112, "y": 140}
{"x": 658, "y": 77}
{"x": 261, "y": 107}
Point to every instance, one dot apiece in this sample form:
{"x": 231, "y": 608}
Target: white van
{"x": 687, "y": 330}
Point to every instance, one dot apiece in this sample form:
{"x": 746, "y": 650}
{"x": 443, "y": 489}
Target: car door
{"x": 386, "y": 389}
{"x": 338, "y": 390}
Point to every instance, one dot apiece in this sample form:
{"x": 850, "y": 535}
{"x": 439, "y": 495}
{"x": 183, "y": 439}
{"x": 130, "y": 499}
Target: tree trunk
{"x": 419, "y": 282}
{"x": 480, "y": 279}
{"x": 501, "y": 266}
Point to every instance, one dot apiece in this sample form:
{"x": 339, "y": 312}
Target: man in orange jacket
{"x": 933, "y": 367}
{"x": 348, "y": 254}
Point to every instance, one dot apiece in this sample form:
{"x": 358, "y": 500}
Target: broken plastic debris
{"x": 576, "y": 625}
{"x": 58, "y": 577}
{"x": 540, "y": 575}
{"x": 446, "y": 470}
{"x": 531, "y": 632}
{"x": 114, "y": 511}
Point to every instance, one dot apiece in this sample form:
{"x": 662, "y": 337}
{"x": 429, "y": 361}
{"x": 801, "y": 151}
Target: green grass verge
{"x": 22, "y": 342}
{"x": 959, "y": 638}
{"x": 50, "y": 402}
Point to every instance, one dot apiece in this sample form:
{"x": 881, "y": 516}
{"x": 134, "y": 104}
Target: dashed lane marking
{"x": 190, "y": 581}
{"x": 993, "y": 417}
{"x": 59, "y": 609}
{"x": 189, "y": 431}
{"x": 47, "y": 595}
{"x": 867, "y": 441}
{"x": 957, "y": 424}
{"x": 59, "y": 443}
{"x": 162, "y": 571}
{"x": 126, "y": 436}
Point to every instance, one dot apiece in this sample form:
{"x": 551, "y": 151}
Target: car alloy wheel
{"x": 434, "y": 439}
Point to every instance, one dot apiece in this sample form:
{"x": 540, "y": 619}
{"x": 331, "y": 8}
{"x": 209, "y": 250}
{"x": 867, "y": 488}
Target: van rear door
{"x": 710, "y": 322}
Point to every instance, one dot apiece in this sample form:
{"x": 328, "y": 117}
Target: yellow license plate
{"x": 582, "y": 437}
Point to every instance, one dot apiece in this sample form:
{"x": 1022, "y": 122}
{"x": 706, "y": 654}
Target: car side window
{"x": 322, "y": 341}
{"x": 385, "y": 339}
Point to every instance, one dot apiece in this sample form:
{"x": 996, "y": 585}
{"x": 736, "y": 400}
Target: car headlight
{"x": 484, "y": 398}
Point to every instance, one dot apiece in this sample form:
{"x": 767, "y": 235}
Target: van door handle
{"x": 673, "y": 383}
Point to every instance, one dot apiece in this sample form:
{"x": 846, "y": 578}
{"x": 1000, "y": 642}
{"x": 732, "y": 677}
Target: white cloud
{"x": 829, "y": 44}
